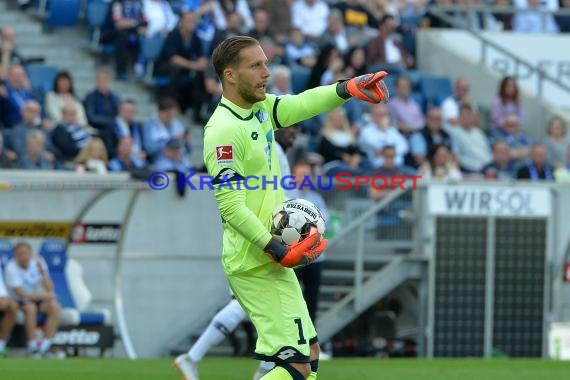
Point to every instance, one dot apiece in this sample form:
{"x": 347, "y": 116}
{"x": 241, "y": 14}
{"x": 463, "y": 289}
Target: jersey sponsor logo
{"x": 261, "y": 116}
{"x": 227, "y": 175}
{"x": 225, "y": 154}
{"x": 286, "y": 354}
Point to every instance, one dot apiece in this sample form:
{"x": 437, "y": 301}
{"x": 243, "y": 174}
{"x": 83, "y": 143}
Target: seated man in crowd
{"x": 126, "y": 159}
{"x": 173, "y": 158}
{"x": 127, "y": 126}
{"x": 69, "y": 137}
{"x": 502, "y": 167}
{"x": 8, "y": 309}
{"x": 31, "y": 121}
{"x": 538, "y": 168}
{"x": 161, "y": 128}
{"x": 35, "y": 156}
{"x": 422, "y": 141}
{"x": 13, "y": 95}
{"x": 25, "y": 275}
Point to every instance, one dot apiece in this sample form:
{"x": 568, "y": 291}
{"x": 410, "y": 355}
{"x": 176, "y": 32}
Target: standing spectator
{"x": 14, "y": 94}
{"x": 506, "y": 103}
{"x": 92, "y": 158}
{"x": 35, "y": 156}
{"x": 564, "y": 21}
{"x": 162, "y": 128}
{"x": 129, "y": 23}
{"x": 557, "y": 141}
{"x": 183, "y": 60}
{"x": 63, "y": 93}
{"x": 102, "y": 106}
{"x": 173, "y": 158}
{"x": 512, "y": 134}
{"x": 379, "y": 133}
{"x": 440, "y": 166}
{"x": 387, "y": 48}
{"x": 338, "y": 146}
{"x": 422, "y": 141}
{"x": 5, "y": 161}
{"x": 537, "y": 169}
{"x": 502, "y": 167}
{"x": 299, "y": 51}
{"x": 469, "y": 142}
{"x": 406, "y": 112}
{"x": 311, "y": 17}
{"x": 8, "y": 54}
{"x": 69, "y": 137}
{"x": 126, "y": 158}
{"x": 450, "y": 106}
{"x": 8, "y": 309}
{"x": 127, "y": 126}
{"x": 532, "y": 21}
{"x": 31, "y": 121}
{"x": 24, "y": 276}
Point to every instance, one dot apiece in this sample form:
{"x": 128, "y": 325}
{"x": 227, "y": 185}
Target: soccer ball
{"x": 293, "y": 219}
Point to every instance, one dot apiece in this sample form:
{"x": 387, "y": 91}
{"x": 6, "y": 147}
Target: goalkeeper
{"x": 239, "y": 142}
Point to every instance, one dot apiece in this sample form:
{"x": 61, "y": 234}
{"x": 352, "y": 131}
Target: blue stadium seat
{"x": 435, "y": 88}
{"x": 53, "y": 251}
{"x": 41, "y": 76}
{"x": 390, "y": 82}
{"x": 6, "y": 252}
{"x": 420, "y": 99}
{"x": 299, "y": 78}
{"x": 97, "y": 12}
{"x": 150, "y": 51}
{"x": 62, "y": 13}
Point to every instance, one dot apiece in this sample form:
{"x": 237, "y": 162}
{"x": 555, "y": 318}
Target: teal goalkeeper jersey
{"x": 239, "y": 143}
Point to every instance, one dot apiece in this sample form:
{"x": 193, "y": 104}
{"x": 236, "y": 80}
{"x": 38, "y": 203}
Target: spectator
{"x": 127, "y": 126}
{"x": 557, "y": 141}
{"x": 328, "y": 55}
{"x": 422, "y": 141}
{"x": 92, "y": 158}
{"x": 502, "y": 168}
{"x": 159, "y": 16}
{"x": 440, "y": 166}
{"x": 387, "y": 48}
{"x": 280, "y": 80}
{"x": 434, "y": 21}
{"x": 162, "y": 128}
{"x": 126, "y": 159}
{"x": 356, "y": 17}
{"x": 388, "y": 169}
{"x": 336, "y": 33}
{"x": 355, "y": 62}
{"x": 24, "y": 276}
{"x": 450, "y": 106}
{"x": 31, "y": 121}
{"x": 298, "y": 51}
{"x": 506, "y": 103}
{"x": 14, "y": 94}
{"x": 102, "y": 106}
{"x": 5, "y": 161}
{"x": 379, "y": 133}
{"x": 173, "y": 158}
{"x": 311, "y": 17}
{"x": 8, "y": 54}
{"x": 519, "y": 144}
{"x": 280, "y": 16}
{"x": 406, "y": 112}
{"x": 564, "y": 21}
{"x": 63, "y": 93}
{"x": 338, "y": 146}
{"x": 214, "y": 90}
{"x": 504, "y": 20}
{"x": 469, "y": 142}
{"x": 532, "y": 21}
{"x": 183, "y": 60}
{"x": 69, "y": 137}
{"x": 261, "y": 22}
{"x": 8, "y": 309}
{"x": 129, "y": 22}
{"x": 35, "y": 156}
{"x": 537, "y": 168}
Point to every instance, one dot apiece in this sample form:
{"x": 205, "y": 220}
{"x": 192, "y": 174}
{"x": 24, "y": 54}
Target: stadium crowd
{"x": 308, "y": 43}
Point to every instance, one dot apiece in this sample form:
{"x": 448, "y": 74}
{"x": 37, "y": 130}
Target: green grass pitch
{"x": 242, "y": 369}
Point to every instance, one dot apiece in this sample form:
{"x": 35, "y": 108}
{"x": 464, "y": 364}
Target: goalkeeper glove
{"x": 298, "y": 255}
{"x": 369, "y": 88}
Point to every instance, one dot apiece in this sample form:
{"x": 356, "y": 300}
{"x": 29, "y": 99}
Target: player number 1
{"x": 301, "y": 337}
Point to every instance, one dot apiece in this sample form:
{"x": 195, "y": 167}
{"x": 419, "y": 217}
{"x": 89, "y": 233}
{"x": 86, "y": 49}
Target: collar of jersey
{"x": 237, "y": 111}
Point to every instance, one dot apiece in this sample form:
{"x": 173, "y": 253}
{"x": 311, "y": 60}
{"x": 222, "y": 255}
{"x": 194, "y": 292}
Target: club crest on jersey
{"x": 261, "y": 116}
{"x": 225, "y": 154}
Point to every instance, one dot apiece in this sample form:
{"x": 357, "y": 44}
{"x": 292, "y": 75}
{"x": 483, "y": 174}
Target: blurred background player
{"x": 8, "y": 309}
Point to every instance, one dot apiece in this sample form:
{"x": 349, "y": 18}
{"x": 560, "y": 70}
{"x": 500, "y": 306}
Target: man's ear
{"x": 229, "y": 76}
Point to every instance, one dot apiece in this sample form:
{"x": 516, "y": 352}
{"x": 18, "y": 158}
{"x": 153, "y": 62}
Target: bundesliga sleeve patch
{"x": 225, "y": 154}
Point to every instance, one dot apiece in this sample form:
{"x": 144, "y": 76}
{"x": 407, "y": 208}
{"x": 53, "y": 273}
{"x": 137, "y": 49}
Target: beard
{"x": 248, "y": 93}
